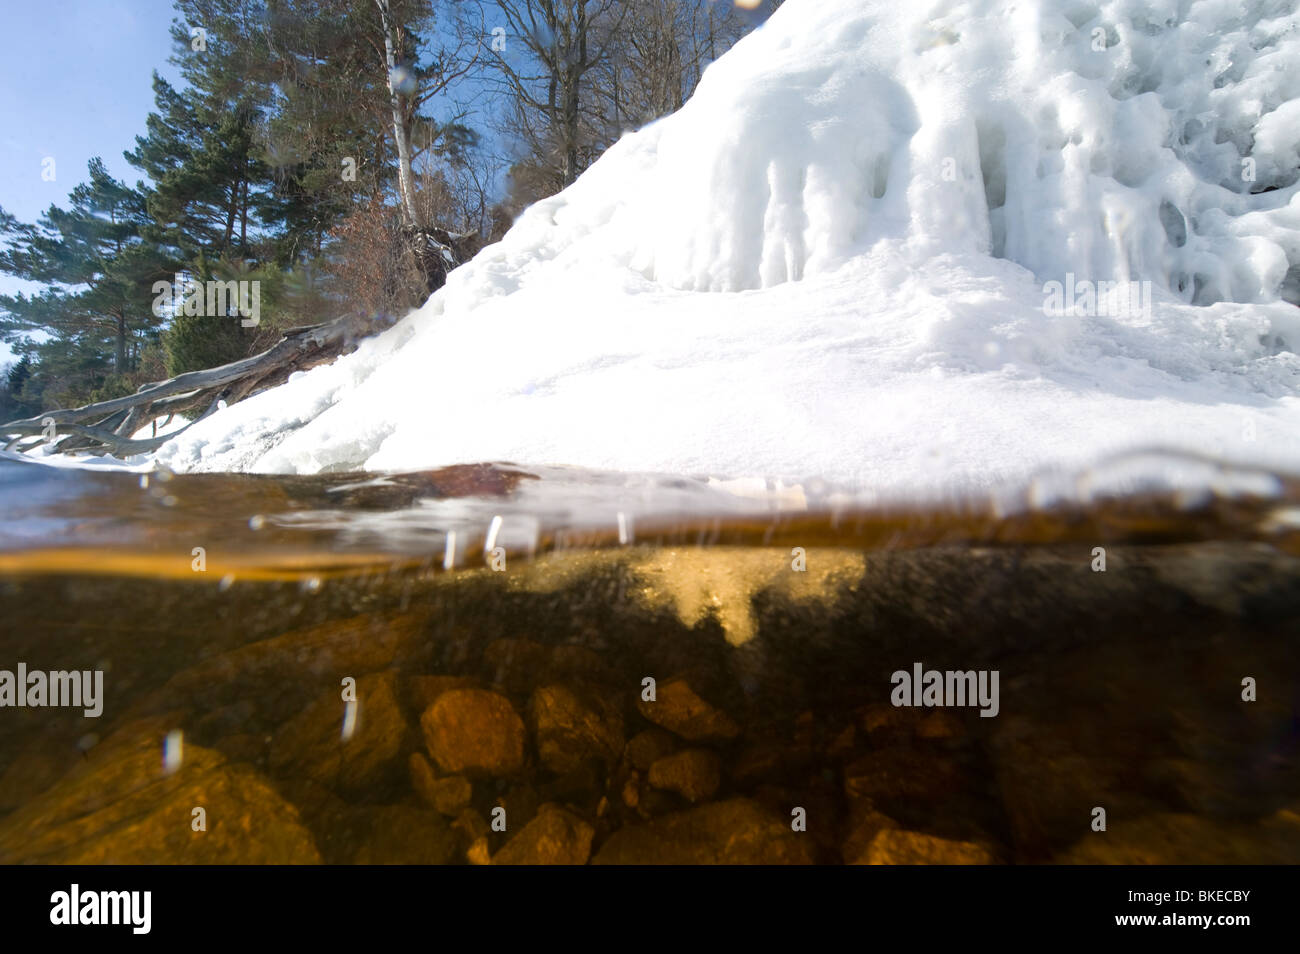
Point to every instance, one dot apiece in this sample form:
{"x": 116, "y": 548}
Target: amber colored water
{"x": 331, "y": 681}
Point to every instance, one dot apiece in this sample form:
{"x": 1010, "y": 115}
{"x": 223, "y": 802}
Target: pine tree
{"x": 209, "y": 197}
{"x": 96, "y": 265}
{"x": 194, "y": 342}
{"x": 206, "y": 179}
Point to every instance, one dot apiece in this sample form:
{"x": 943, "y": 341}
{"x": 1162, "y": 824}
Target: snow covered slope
{"x": 854, "y": 254}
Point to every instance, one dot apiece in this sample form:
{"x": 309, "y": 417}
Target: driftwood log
{"x": 106, "y": 427}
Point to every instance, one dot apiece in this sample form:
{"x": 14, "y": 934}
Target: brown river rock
{"x": 451, "y": 794}
{"x": 554, "y": 837}
{"x": 894, "y": 847}
{"x": 120, "y": 808}
{"x": 734, "y": 832}
{"x": 405, "y": 835}
{"x": 571, "y": 727}
{"x": 647, "y": 747}
{"x": 694, "y": 774}
{"x": 311, "y": 745}
{"x": 866, "y": 823}
{"x": 475, "y": 732}
{"x": 680, "y": 710}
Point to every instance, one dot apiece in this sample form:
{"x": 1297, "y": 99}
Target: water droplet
{"x": 349, "y": 719}
{"x": 173, "y": 751}
{"x": 493, "y": 529}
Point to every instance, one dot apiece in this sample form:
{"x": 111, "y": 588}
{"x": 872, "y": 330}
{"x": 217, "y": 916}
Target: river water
{"x": 505, "y": 664}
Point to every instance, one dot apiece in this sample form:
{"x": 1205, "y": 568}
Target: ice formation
{"x": 869, "y": 249}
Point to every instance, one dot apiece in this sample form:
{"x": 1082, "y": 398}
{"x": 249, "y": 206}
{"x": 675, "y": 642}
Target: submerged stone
{"x": 355, "y": 751}
{"x": 571, "y": 727}
{"x": 647, "y": 747}
{"x": 680, "y": 710}
{"x": 694, "y": 774}
{"x": 404, "y": 835}
{"x": 554, "y": 837}
{"x": 474, "y": 731}
{"x": 894, "y": 847}
{"x": 734, "y": 832}
{"x": 121, "y": 807}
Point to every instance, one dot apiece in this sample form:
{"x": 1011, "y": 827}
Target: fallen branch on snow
{"x": 106, "y": 426}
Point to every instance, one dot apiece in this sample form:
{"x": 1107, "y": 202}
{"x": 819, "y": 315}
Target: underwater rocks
{"x": 521, "y": 734}
{"x": 516, "y": 664}
{"x": 733, "y": 832}
{"x": 449, "y": 795}
{"x": 404, "y": 835}
{"x": 271, "y": 680}
{"x": 423, "y": 691}
{"x": 902, "y": 774}
{"x": 647, "y": 747}
{"x": 893, "y": 847}
{"x": 316, "y": 745}
{"x": 122, "y": 807}
{"x": 475, "y": 732}
{"x": 680, "y": 710}
{"x": 571, "y": 727}
{"x": 1185, "y": 839}
{"x": 694, "y": 774}
{"x": 554, "y": 837}
{"x": 866, "y": 823}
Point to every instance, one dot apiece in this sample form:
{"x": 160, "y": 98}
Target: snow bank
{"x": 836, "y": 260}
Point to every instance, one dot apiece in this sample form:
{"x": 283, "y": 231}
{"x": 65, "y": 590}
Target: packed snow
{"x": 868, "y": 250}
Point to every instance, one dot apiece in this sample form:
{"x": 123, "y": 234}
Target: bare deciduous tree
{"x": 577, "y": 74}
{"x": 550, "y": 86}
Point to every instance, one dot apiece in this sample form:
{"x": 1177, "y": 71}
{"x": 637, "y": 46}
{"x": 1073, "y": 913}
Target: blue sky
{"x": 75, "y": 81}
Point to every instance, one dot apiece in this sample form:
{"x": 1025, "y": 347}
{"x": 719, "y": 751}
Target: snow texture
{"x": 853, "y": 254}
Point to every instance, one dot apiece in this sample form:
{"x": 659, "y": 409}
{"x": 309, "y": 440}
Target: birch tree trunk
{"x": 401, "y": 130}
